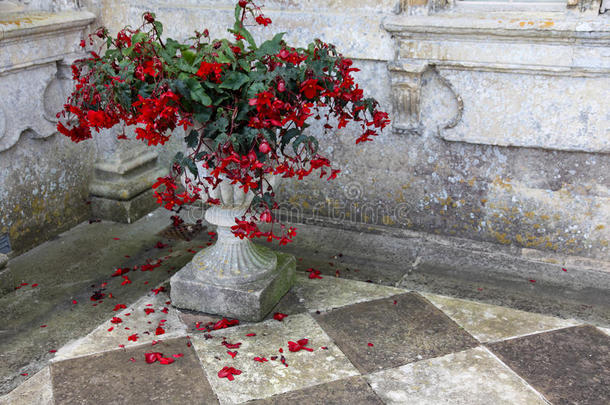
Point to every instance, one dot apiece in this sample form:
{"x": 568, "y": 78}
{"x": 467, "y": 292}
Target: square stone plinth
{"x": 246, "y": 302}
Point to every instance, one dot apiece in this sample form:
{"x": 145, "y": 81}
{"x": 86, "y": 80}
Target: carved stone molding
{"x": 512, "y": 76}
{"x": 35, "y": 50}
{"x": 406, "y": 79}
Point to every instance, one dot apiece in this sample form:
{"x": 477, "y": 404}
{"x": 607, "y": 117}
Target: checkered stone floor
{"x": 370, "y": 344}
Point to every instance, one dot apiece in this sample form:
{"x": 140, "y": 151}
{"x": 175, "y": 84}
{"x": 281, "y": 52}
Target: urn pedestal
{"x": 234, "y": 277}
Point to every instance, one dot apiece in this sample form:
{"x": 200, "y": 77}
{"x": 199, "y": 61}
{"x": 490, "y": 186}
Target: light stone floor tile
{"x": 261, "y": 380}
{"x": 470, "y": 377}
{"x": 333, "y": 292}
{"x": 100, "y": 339}
{"x": 490, "y": 323}
{"x": 36, "y": 390}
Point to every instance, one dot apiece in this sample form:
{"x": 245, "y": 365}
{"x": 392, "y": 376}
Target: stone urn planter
{"x": 234, "y": 277}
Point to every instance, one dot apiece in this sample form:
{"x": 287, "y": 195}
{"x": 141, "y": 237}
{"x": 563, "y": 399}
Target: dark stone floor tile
{"x": 349, "y": 391}
{"x": 409, "y": 330}
{"x": 567, "y": 366}
{"x": 112, "y": 378}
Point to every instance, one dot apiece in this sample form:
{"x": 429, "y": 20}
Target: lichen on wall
{"x": 43, "y": 188}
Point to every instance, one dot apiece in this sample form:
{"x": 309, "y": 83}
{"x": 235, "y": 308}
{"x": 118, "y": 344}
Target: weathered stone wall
{"x": 43, "y": 176}
{"x": 500, "y": 123}
{"x": 500, "y": 119}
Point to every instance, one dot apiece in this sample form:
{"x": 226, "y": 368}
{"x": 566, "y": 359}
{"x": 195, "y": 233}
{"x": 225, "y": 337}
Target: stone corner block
{"x": 3, "y": 260}
{"x": 246, "y": 302}
{"x": 127, "y": 211}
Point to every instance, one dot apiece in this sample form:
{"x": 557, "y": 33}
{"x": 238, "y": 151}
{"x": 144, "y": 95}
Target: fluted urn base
{"x": 245, "y": 301}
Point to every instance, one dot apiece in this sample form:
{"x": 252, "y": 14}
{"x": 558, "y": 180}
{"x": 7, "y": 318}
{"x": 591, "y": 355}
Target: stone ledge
{"x": 396, "y": 253}
{"x": 540, "y": 26}
{"x": 26, "y": 23}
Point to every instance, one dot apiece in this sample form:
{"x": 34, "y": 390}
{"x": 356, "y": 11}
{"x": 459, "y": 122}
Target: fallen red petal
{"x": 278, "y": 316}
{"x": 152, "y": 357}
{"x": 228, "y": 372}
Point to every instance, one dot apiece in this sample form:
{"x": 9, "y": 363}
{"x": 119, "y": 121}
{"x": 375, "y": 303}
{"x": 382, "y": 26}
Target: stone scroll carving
{"x": 36, "y": 49}
{"x": 406, "y": 96}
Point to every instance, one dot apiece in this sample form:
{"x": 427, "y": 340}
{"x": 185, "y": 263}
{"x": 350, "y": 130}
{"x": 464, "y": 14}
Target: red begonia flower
{"x": 116, "y": 320}
{"x": 232, "y": 354}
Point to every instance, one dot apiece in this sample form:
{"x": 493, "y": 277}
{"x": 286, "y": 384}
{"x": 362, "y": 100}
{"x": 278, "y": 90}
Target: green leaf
{"x": 188, "y": 56}
{"x": 192, "y": 139}
{"x": 158, "y": 27}
{"x": 288, "y": 136}
{"x": 245, "y": 65}
{"x": 138, "y": 37}
{"x": 197, "y": 93}
{"x": 271, "y": 46}
{"x": 300, "y": 139}
{"x": 237, "y": 13}
{"x": 204, "y": 116}
{"x": 234, "y": 81}
{"x": 256, "y": 88}
{"x": 190, "y": 163}
{"x": 178, "y": 157}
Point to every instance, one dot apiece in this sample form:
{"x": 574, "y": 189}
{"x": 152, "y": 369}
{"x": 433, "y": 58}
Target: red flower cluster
{"x": 247, "y": 107}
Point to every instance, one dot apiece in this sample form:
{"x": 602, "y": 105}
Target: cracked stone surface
{"x": 491, "y": 322}
{"x": 260, "y": 380}
{"x": 470, "y": 377}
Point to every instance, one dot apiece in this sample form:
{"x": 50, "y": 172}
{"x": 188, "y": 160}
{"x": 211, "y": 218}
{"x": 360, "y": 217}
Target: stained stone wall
{"x": 500, "y": 116}
{"x": 43, "y": 177}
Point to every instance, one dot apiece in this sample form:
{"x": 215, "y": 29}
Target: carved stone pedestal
{"x": 234, "y": 277}
{"x": 246, "y": 302}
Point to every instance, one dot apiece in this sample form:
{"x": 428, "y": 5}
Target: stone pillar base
{"x": 127, "y": 211}
{"x": 121, "y": 189}
{"x": 246, "y": 302}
